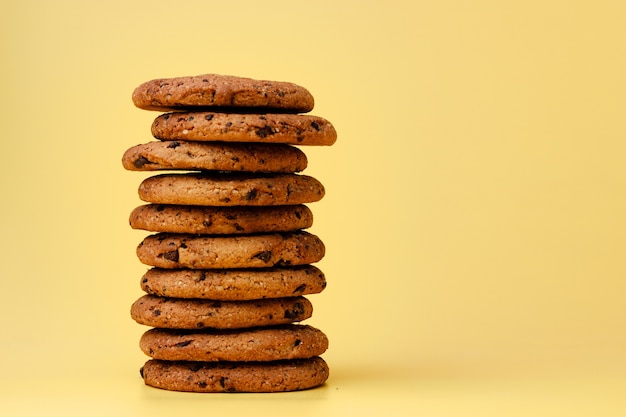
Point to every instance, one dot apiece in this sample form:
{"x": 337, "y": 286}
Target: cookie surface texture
{"x": 223, "y": 91}
{"x": 241, "y": 157}
{"x": 231, "y": 189}
{"x": 165, "y": 250}
{"x": 273, "y": 343}
{"x": 234, "y": 284}
{"x": 173, "y": 313}
{"x": 220, "y": 220}
{"x": 276, "y": 376}
{"x": 276, "y": 128}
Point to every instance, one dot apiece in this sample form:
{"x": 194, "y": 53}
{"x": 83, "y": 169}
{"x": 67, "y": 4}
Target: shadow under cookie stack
{"x": 230, "y": 260}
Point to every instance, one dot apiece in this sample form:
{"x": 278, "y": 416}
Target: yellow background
{"x": 474, "y": 218}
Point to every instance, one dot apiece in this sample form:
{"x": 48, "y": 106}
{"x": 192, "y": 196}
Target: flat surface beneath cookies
{"x": 366, "y": 390}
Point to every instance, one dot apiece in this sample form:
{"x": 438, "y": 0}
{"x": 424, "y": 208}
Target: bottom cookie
{"x": 276, "y": 376}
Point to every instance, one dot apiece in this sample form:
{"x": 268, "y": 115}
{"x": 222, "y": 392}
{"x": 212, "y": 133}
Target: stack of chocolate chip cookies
{"x": 230, "y": 260}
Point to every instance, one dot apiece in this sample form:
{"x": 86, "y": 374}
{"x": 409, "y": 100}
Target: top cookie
{"x": 223, "y": 91}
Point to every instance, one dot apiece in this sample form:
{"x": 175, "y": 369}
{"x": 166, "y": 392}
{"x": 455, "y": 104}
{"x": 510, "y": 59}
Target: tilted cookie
{"x": 166, "y": 250}
{"x": 220, "y": 220}
{"x": 231, "y": 189}
{"x": 234, "y": 284}
{"x": 293, "y": 129}
{"x": 214, "y": 156}
{"x": 274, "y": 376}
{"x": 175, "y": 313}
{"x": 271, "y": 343}
{"x": 222, "y": 91}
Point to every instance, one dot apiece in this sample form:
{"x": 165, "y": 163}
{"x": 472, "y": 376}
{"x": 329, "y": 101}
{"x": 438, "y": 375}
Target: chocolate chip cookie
{"x": 222, "y": 91}
{"x": 295, "y": 341}
{"x": 294, "y": 129}
{"x": 220, "y": 220}
{"x": 166, "y": 250}
{"x": 214, "y": 156}
{"x": 234, "y": 284}
{"x": 274, "y": 376}
{"x": 231, "y": 189}
{"x": 174, "y": 313}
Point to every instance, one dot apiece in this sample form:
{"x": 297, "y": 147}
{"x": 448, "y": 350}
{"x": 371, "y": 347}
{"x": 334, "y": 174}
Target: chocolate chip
{"x": 183, "y": 344}
{"x": 156, "y": 312}
{"x": 298, "y": 215}
{"x": 297, "y": 342}
{"x": 315, "y": 126}
{"x": 223, "y": 382}
{"x": 265, "y": 255}
{"x": 265, "y": 131}
{"x": 199, "y": 325}
{"x": 202, "y": 384}
{"x": 170, "y": 256}
{"x": 238, "y": 227}
{"x": 300, "y": 288}
{"x": 190, "y": 118}
{"x": 296, "y": 311}
{"x": 141, "y": 162}
{"x": 202, "y": 276}
{"x": 252, "y": 194}
{"x": 174, "y": 145}
{"x": 229, "y": 124}
{"x": 209, "y": 117}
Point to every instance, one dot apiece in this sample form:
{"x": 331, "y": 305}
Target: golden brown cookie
{"x": 274, "y": 376}
{"x": 214, "y": 156}
{"x": 166, "y": 250}
{"x": 271, "y": 343}
{"x": 276, "y": 128}
{"x": 231, "y": 189}
{"x": 234, "y": 284}
{"x": 220, "y": 220}
{"x": 222, "y": 91}
{"x": 175, "y": 313}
